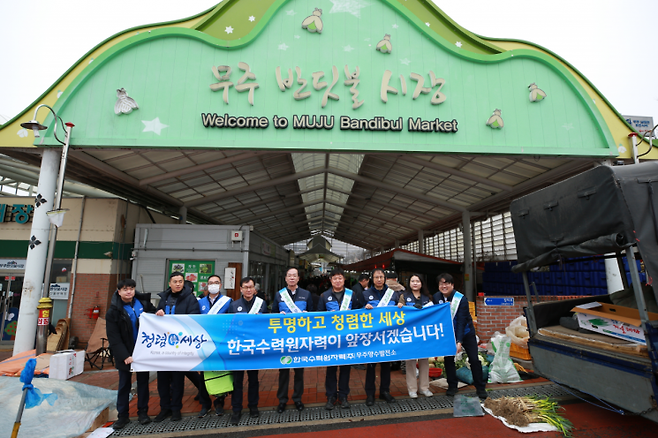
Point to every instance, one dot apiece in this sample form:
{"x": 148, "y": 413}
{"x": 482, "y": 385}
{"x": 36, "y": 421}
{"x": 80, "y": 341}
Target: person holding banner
{"x": 464, "y": 335}
{"x": 251, "y": 304}
{"x": 419, "y": 297}
{"x": 122, "y": 325}
{"x": 337, "y": 299}
{"x": 213, "y": 303}
{"x": 379, "y": 295}
{"x": 291, "y": 299}
{"x": 178, "y": 299}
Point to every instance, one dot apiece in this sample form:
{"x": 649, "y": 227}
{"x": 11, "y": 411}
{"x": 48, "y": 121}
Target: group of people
{"x": 127, "y": 305}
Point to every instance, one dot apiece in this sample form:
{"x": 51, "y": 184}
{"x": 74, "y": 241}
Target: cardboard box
{"x": 620, "y": 322}
{"x": 66, "y": 364}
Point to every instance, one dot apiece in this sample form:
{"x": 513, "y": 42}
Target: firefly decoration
{"x": 536, "y": 93}
{"x": 313, "y": 23}
{"x": 495, "y": 121}
{"x": 384, "y": 45}
{"x": 125, "y": 104}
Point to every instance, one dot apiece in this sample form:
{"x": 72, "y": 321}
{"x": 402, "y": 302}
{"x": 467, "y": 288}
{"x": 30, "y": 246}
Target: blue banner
{"x": 309, "y": 339}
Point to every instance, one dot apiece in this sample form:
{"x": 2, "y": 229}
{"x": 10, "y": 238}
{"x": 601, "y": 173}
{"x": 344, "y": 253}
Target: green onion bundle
{"x": 521, "y": 411}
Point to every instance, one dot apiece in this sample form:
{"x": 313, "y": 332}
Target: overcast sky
{"x": 609, "y": 41}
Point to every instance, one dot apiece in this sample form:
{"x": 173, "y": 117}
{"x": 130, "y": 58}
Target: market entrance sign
{"x": 369, "y": 76}
{"x": 322, "y": 122}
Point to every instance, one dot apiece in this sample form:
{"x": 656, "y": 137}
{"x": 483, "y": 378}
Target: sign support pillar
{"x": 35, "y": 263}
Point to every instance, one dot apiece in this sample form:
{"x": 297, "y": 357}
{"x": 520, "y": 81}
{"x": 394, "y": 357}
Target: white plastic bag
{"x": 502, "y": 368}
{"x": 518, "y": 332}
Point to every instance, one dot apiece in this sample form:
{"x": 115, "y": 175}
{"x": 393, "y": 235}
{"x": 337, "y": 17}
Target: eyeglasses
{"x": 247, "y": 287}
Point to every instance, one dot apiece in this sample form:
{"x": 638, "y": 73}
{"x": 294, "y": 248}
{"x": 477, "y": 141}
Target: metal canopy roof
{"x": 368, "y": 200}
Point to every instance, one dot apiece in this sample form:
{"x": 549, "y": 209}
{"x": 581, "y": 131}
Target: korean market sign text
{"x": 246, "y": 82}
{"x": 272, "y": 341}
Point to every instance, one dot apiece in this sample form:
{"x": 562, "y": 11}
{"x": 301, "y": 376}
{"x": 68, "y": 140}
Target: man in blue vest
{"x": 291, "y": 299}
{"x": 251, "y": 304}
{"x": 464, "y": 335}
{"x": 379, "y": 295}
{"x": 213, "y": 303}
{"x": 337, "y": 299}
{"x": 122, "y": 328}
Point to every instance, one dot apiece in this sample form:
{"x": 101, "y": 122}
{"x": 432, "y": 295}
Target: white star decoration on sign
{"x": 427, "y": 24}
{"x": 297, "y": 37}
{"x": 283, "y": 46}
{"x": 229, "y": 29}
{"x": 350, "y": 6}
{"x": 458, "y": 44}
{"x": 395, "y": 26}
{"x": 290, "y": 12}
{"x": 252, "y": 18}
{"x": 348, "y": 48}
{"x": 568, "y": 126}
{"x": 405, "y": 61}
{"x": 154, "y": 125}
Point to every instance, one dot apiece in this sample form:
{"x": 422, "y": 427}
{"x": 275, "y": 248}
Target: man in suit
{"x": 251, "y": 304}
{"x": 291, "y": 299}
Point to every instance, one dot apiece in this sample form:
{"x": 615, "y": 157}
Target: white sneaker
{"x": 413, "y": 394}
{"x": 427, "y": 393}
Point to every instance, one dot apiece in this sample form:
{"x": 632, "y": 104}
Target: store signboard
{"x": 60, "y": 291}
{"x": 499, "y": 301}
{"x": 642, "y": 124}
{"x": 12, "y": 264}
{"x": 196, "y": 271}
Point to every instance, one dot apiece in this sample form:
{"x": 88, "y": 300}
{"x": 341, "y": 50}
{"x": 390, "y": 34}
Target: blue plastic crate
{"x": 586, "y": 279}
{"x": 571, "y": 278}
{"x": 559, "y": 289}
{"x": 558, "y": 278}
{"x": 599, "y": 291}
{"x": 600, "y": 280}
{"x": 643, "y": 277}
{"x": 571, "y": 290}
{"x": 490, "y": 267}
{"x": 598, "y": 265}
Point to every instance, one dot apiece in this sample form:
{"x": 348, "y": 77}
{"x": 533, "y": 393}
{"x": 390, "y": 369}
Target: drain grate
{"x": 319, "y": 413}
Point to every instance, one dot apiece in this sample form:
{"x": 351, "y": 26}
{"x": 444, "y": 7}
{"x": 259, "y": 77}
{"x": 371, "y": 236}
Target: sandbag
{"x": 502, "y": 368}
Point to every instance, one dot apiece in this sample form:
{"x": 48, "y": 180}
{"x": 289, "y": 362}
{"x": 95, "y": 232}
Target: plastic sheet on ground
{"x": 76, "y": 408}
{"x": 532, "y": 427}
{"x": 464, "y": 406}
{"x": 443, "y": 383}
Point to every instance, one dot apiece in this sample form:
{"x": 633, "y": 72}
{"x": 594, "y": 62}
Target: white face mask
{"x": 213, "y": 289}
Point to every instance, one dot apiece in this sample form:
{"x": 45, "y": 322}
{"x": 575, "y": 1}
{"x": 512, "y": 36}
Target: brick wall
{"x": 493, "y": 319}
{"x": 90, "y": 290}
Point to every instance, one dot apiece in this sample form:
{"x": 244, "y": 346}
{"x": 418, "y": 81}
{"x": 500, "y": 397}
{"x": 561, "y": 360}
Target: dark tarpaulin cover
{"x": 599, "y": 211}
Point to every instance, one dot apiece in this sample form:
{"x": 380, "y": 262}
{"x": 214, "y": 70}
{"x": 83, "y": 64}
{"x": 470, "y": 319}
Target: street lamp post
{"x": 55, "y": 217}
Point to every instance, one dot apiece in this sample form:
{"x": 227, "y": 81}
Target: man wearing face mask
{"x": 212, "y": 304}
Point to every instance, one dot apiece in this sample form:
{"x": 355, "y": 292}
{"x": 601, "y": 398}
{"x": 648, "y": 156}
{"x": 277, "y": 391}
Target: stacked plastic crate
{"x": 583, "y": 277}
